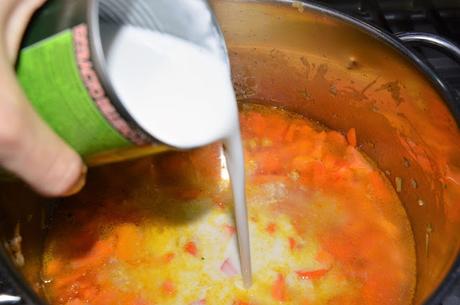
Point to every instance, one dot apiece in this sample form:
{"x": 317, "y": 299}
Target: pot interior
{"x": 335, "y": 72}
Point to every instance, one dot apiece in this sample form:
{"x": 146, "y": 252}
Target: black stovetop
{"x": 441, "y": 17}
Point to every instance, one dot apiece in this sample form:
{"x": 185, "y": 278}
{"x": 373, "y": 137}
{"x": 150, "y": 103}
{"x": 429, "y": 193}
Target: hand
{"x": 28, "y": 147}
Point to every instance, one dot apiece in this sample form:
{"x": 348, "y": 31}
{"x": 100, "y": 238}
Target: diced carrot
{"x": 271, "y": 228}
{"x": 279, "y": 288}
{"x": 256, "y": 123}
{"x": 332, "y": 163}
{"x": 168, "y": 257}
{"x": 89, "y": 292}
{"x": 276, "y": 128}
{"x": 351, "y": 137}
{"x": 335, "y": 141}
{"x": 372, "y": 289}
{"x": 340, "y": 247}
{"x": 318, "y": 173}
{"x": 268, "y": 163}
{"x": 379, "y": 188}
{"x": 191, "y": 248}
{"x": 168, "y": 287}
{"x": 301, "y": 163}
{"x": 290, "y": 133}
{"x": 292, "y": 243}
{"x": 324, "y": 257}
{"x": 312, "y": 274}
{"x": 128, "y": 241}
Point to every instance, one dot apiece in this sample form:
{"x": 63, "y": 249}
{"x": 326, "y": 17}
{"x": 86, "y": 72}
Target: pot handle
{"x": 9, "y": 299}
{"x": 431, "y": 40}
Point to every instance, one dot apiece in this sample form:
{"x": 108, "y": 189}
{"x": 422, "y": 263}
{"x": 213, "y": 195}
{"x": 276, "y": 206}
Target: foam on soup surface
{"x": 326, "y": 226}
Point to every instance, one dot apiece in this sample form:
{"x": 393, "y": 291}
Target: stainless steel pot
{"x": 343, "y": 73}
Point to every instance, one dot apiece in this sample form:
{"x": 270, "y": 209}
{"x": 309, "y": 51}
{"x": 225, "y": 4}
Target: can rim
{"x": 99, "y": 60}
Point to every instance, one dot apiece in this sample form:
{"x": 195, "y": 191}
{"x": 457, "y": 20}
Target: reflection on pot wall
{"x": 343, "y": 77}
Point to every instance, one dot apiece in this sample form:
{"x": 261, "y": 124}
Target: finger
{"x": 30, "y": 149}
{"x": 17, "y": 14}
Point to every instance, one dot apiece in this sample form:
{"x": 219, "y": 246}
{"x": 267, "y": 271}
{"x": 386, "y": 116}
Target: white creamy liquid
{"x": 182, "y": 95}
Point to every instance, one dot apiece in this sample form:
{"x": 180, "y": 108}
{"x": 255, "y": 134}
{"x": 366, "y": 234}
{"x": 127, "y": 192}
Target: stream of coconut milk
{"x": 182, "y": 95}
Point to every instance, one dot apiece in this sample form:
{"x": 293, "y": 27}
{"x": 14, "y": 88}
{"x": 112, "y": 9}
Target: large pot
{"x": 343, "y": 73}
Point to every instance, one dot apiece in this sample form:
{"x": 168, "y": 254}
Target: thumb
{"x": 16, "y": 14}
{"x": 30, "y": 149}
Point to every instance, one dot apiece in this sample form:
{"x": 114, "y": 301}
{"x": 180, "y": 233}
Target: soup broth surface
{"x": 326, "y": 226}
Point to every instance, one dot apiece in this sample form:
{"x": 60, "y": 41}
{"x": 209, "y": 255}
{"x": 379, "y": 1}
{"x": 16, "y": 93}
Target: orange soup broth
{"x": 326, "y": 226}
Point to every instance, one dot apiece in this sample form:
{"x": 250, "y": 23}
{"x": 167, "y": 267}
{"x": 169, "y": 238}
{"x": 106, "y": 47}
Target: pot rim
{"x": 436, "y": 297}
{"x": 390, "y": 39}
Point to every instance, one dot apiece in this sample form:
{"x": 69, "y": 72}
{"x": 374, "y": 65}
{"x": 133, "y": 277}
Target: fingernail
{"x": 79, "y": 184}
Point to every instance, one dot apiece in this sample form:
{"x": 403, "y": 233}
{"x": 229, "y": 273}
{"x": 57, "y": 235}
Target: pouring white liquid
{"x": 182, "y": 95}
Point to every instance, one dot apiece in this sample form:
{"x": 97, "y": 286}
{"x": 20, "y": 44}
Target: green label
{"x": 50, "y": 74}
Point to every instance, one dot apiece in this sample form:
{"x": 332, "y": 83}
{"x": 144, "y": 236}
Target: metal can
{"x": 61, "y": 69}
